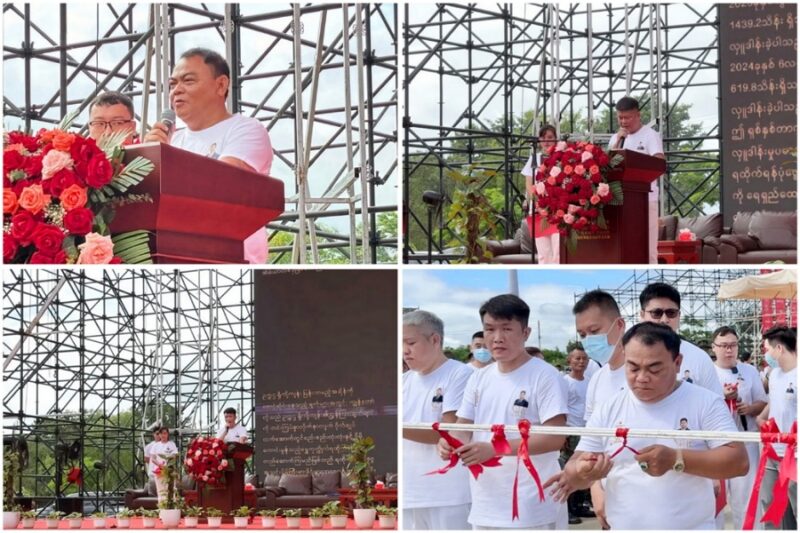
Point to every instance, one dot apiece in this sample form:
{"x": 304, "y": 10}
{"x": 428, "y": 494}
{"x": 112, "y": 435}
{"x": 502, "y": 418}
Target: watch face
{"x": 679, "y": 467}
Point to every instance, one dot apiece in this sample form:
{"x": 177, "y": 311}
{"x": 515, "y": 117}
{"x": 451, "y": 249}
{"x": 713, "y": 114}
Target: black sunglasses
{"x": 658, "y": 313}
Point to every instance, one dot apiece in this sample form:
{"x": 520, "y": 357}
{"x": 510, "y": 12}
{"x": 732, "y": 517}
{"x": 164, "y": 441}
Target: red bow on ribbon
{"x": 731, "y": 402}
{"x": 455, "y": 443}
{"x": 623, "y": 432}
{"x": 499, "y": 441}
{"x": 75, "y": 475}
{"x": 524, "y": 456}
{"x": 787, "y": 471}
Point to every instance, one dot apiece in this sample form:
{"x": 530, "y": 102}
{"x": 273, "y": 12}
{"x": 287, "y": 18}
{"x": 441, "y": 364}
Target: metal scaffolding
{"x": 97, "y": 357}
{"x": 292, "y": 67}
{"x": 478, "y": 80}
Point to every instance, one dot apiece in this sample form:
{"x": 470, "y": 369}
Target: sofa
{"x": 516, "y": 251}
{"x": 760, "y": 237}
{"x": 707, "y": 228}
{"x": 147, "y": 498}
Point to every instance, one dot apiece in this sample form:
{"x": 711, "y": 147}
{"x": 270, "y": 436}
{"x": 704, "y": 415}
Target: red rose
{"x": 10, "y": 247}
{"x": 61, "y": 180}
{"x": 12, "y": 160}
{"x": 33, "y": 166}
{"x": 99, "y": 172}
{"x": 23, "y": 224}
{"x": 78, "y": 221}
{"x": 17, "y": 137}
{"x": 39, "y": 258}
{"x": 115, "y": 261}
{"x": 47, "y": 239}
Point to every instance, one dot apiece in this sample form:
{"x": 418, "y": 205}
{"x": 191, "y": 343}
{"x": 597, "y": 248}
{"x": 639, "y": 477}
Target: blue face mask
{"x": 598, "y": 348}
{"x": 771, "y": 361}
{"x": 482, "y": 355}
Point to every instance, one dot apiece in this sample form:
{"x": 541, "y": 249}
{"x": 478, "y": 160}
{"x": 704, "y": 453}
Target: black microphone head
{"x": 168, "y": 118}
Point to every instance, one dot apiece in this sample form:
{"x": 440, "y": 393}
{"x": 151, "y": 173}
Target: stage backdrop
{"x": 326, "y": 368}
{"x": 758, "y": 78}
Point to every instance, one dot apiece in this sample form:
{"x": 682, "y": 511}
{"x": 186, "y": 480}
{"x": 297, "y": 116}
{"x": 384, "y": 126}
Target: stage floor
{"x": 136, "y": 524}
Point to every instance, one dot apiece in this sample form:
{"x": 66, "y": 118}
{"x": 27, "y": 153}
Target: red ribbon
{"x": 455, "y": 443}
{"x": 623, "y": 432}
{"x": 787, "y": 471}
{"x": 722, "y": 497}
{"x": 731, "y": 402}
{"x": 524, "y": 456}
{"x": 499, "y": 441}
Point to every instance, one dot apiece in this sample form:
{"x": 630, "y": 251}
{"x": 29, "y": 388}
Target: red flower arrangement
{"x": 206, "y": 461}
{"x": 59, "y": 190}
{"x": 571, "y": 189}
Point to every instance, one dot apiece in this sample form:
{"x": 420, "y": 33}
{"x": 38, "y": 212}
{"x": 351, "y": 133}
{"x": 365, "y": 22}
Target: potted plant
{"x": 214, "y": 517}
{"x": 170, "y": 508}
{"x": 336, "y": 514}
{"x": 387, "y": 517}
{"x": 53, "y": 518}
{"x": 292, "y": 517}
{"x": 191, "y": 515}
{"x": 358, "y": 466}
{"x": 124, "y": 518}
{"x": 269, "y": 517}
{"x": 317, "y": 518}
{"x": 11, "y": 469}
{"x": 74, "y": 520}
{"x": 28, "y": 519}
{"x": 149, "y": 518}
{"x": 241, "y": 516}
{"x": 99, "y": 519}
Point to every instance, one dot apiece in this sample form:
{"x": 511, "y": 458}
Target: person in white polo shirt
{"x": 665, "y": 483}
{"x": 231, "y": 431}
{"x": 148, "y": 452}
{"x": 160, "y": 453}
{"x": 517, "y": 386}
{"x": 433, "y": 389}
{"x": 633, "y": 135}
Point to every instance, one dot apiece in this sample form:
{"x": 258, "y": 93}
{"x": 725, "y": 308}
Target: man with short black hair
{"x": 231, "y": 431}
{"x": 633, "y": 135}
{"x": 111, "y": 111}
{"x": 479, "y": 354}
{"x": 148, "y": 451}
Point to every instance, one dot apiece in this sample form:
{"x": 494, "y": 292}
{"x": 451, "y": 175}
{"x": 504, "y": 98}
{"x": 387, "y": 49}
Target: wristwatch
{"x": 679, "y": 465}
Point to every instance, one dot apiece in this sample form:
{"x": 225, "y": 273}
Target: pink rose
{"x": 54, "y": 161}
{"x": 551, "y": 180}
{"x": 224, "y": 463}
{"x": 569, "y": 219}
{"x": 97, "y": 250}
{"x": 540, "y": 189}
{"x": 594, "y": 199}
{"x": 603, "y": 189}
{"x": 572, "y": 209}
{"x": 579, "y": 170}
{"x": 585, "y": 156}
{"x": 561, "y": 146}
{"x": 189, "y": 462}
{"x": 554, "y": 172}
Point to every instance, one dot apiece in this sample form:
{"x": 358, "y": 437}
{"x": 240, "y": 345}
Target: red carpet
{"x": 136, "y": 523}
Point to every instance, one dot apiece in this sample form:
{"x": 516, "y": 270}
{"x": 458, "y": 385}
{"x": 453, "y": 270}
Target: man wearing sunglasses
{"x": 745, "y": 398}
{"x": 661, "y": 304}
{"x": 111, "y": 112}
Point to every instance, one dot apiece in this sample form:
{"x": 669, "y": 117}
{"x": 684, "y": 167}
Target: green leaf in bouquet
{"x": 111, "y": 141}
{"x": 601, "y": 220}
{"x": 572, "y": 241}
{"x": 616, "y": 192}
{"x": 16, "y": 175}
{"x": 67, "y": 121}
{"x": 70, "y": 249}
{"x": 133, "y": 174}
{"x": 616, "y": 160}
{"x": 133, "y": 247}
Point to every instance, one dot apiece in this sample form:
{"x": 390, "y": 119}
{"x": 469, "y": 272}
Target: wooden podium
{"x": 202, "y": 209}
{"x": 230, "y": 496}
{"x": 626, "y": 241}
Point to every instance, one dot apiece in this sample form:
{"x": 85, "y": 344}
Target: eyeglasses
{"x": 103, "y": 124}
{"x": 657, "y": 313}
{"x": 731, "y": 346}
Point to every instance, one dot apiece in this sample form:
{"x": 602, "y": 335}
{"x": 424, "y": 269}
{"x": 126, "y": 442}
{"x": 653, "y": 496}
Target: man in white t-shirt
{"x": 633, "y": 135}
{"x": 517, "y": 386}
{"x": 661, "y": 303}
{"x": 780, "y": 345}
{"x": 198, "y": 90}
{"x": 432, "y": 392}
{"x": 746, "y": 398}
{"x": 479, "y": 354}
{"x": 148, "y": 452}
{"x": 231, "y": 431}
{"x": 160, "y": 452}
{"x": 665, "y": 483}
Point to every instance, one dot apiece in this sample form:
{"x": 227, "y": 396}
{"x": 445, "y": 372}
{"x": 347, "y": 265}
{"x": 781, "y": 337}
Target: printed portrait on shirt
{"x": 437, "y": 400}
{"x": 520, "y": 407}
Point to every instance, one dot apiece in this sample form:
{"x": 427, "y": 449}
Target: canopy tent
{"x": 781, "y": 284}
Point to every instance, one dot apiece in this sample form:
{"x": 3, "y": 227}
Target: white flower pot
{"x": 28, "y": 523}
{"x": 338, "y": 521}
{"x": 293, "y": 522}
{"x": 387, "y": 521}
{"x": 123, "y": 523}
{"x": 149, "y": 522}
{"x": 214, "y": 521}
{"x": 75, "y": 523}
{"x": 240, "y": 521}
{"x": 99, "y": 523}
{"x": 10, "y": 519}
{"x": 317, "y": 522}
{"x": 52, "y": 523}
{"x": 268, "y": 522}
{"x": 190, "y": 521}
{"x": 170, "y": 517}
{"x": 365, "y": 518}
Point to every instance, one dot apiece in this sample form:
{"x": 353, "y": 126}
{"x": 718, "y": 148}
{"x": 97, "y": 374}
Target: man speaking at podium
{"x": 198, "y": 90}
{"x": 231, "y": 431}
{"x": 633, "y": 135}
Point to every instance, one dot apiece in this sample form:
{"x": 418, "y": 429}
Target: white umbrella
{"x": 781, "y": 284}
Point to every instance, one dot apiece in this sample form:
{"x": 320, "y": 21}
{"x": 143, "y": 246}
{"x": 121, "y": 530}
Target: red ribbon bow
{"x": 476, "y": 470}
{"x": 787, "y": 471}
{"x": 499, "y": 441}
{"x": 623, "y": 432}
{"x": 731, "y": 402}
{"x": 524, "y": 456}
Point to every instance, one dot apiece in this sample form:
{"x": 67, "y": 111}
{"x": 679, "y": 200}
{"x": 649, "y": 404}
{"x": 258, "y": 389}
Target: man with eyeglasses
{"x": 112, "y": 112}
{"x": 746, "y": 398}
{"x": 661, "y": 304}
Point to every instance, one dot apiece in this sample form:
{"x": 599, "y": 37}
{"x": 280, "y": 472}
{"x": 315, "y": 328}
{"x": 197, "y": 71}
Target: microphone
{"x": 621, "y": 142}
{"x": 168, "y": 119}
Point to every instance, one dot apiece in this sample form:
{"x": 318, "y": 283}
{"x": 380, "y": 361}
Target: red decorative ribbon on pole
{"x": 476, "y": 470}
{"x": 787, "y": 471}
{"x": 623, "y": 432}
{"x": 524, "y": 456}
{"x": 499, "y": 440}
